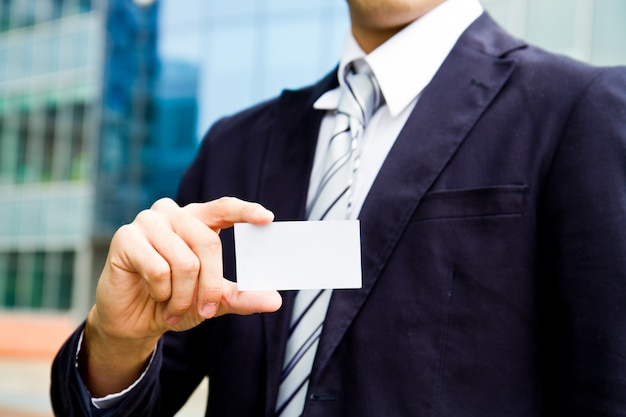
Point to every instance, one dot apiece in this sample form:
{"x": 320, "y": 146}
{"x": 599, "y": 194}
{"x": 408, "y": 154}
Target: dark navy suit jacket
{"x": 493, "y": 252}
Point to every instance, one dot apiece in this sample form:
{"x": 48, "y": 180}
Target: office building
{"x": 87, "y": 120}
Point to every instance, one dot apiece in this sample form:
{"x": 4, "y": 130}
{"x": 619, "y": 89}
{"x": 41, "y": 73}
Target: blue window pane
{"x": 609, "y": 40}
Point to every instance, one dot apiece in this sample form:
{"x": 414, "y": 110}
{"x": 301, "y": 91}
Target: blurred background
{"x": 102, "y": 105}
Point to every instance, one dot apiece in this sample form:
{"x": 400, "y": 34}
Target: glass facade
{"x": 44, "y": 279}
{"x": 588, "y": 30}
{"x": 18, "y": 14}
{"x": 246, "y": 51}
{"x": 93, "y": 128}
{"x": 49, "y": 82}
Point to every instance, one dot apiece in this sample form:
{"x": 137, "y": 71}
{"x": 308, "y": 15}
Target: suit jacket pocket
{"x": 474, "y": 202}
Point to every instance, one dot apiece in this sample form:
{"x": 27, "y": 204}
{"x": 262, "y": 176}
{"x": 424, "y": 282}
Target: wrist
{"x": 109, "y": 363}
{"x": 112, "y": 342}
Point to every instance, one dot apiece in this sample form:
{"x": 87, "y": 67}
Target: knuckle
{"x": 226, "y": 200}
{"x": 158, "y": 280}
{"x": 190, "y": 266}
{"x": 208, "y": 244}
{"x": 159, "y": 294}
{"x": 212, "y": 294}
{"x": 227, "y": 204}
{"x": 146, "y": 217}
{"x": 158, "y": 273}
{"x": 163, "y": 204}
{"x": 212, "y": 241}
{"x": 124, "y": 232}
{"x": 178, "y": 305}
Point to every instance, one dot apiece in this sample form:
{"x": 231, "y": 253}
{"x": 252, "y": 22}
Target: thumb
{"x": 247, "y": 302}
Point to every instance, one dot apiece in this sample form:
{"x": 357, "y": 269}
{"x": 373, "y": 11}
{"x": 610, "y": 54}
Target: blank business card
{"x": 298, "y": 255}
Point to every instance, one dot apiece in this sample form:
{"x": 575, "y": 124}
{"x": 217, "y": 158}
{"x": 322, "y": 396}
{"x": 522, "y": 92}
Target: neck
{"x": 369, "y": 40}
{"x": 374, "y": 22}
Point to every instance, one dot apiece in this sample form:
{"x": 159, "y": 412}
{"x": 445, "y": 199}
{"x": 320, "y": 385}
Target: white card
{"x": 298, "y": 255}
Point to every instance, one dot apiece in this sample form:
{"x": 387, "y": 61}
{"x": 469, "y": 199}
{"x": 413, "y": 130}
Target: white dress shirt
{"x": 403, "y": 66}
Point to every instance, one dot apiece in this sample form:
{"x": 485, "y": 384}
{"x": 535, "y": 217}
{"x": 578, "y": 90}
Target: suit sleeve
{"x": 70, "y": 397}
{"x": 582, "y": 248}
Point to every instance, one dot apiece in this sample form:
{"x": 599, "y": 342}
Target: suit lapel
{"x": 466, "y": 84}
{"x": 289, "y": 158}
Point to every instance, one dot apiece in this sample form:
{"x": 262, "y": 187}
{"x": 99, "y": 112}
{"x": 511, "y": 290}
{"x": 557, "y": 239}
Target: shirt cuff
{"x": 111, "y": 400}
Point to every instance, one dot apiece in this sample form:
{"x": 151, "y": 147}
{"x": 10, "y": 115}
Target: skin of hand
{"x": 163, "y": 272}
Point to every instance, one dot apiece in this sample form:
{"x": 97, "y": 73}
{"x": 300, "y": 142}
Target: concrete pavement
{"x": 24, "y": 387}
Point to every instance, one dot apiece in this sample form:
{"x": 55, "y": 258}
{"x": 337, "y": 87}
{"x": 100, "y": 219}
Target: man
{"x": 492, "y": 202}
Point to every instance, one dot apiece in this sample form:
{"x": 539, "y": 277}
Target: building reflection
{"x": 93, "y": 128}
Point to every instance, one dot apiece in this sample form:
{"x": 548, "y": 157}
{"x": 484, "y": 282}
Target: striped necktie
{"x": 359, "y": 100}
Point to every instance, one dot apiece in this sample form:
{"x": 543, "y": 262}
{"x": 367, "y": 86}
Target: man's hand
{"x": 164, "y": 272}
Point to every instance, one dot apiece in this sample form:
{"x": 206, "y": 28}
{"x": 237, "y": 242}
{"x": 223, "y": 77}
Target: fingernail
{"x": 172, "y": 320}
{"x": 209, "y": 310}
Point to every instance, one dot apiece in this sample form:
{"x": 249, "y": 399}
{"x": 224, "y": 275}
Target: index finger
{"x": 226, "y": 211}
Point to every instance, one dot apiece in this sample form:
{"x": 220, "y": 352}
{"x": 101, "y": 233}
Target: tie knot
{"x": 361, "y": 97}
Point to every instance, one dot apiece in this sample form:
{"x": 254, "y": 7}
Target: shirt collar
{"x": 402, "y": 76}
